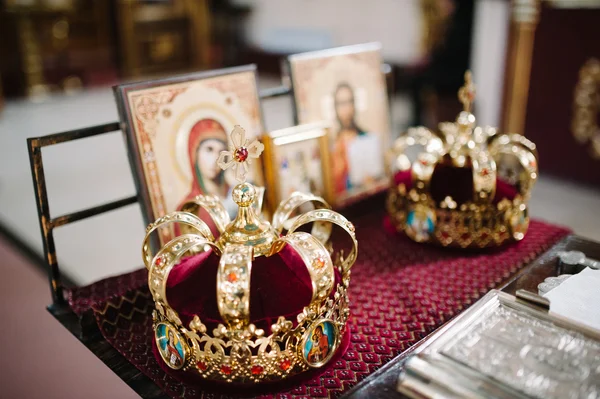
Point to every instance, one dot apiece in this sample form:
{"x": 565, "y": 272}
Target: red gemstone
{"x": 285, "y": 364}
{"x": 318, "y": 263}
{"x": 445, "y": 235}
{"x": 465, "y": 236}
{"x": 483, "y": 236}
{"x": 158, "y": 261}
{"x": 202, "y": 366}
{"x": 485, "y": 172}
{"x": 232, "y": 277}
{"x": 241, "y": 154}
{"x": 226, "y": 369}
{"x": 257, "y": 369}
{"x": 424, "y": 162}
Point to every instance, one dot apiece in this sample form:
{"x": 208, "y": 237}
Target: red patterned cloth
{"x": 81, "y": 299}
{"x": 400, "y": 292}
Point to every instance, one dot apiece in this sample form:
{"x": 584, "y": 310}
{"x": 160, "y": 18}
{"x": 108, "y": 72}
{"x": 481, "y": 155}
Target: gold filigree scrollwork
{"x": 586, "y": 106}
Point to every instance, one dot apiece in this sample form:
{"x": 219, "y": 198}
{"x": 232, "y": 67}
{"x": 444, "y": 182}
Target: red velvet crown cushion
{"x": 455, "y": 182}
{"x": 280, "y": 285}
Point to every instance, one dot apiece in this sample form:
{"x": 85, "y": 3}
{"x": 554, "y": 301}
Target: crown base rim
{"x": 469, "y": 226}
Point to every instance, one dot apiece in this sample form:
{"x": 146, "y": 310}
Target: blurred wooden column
{"x": 33, "y": 68}
{"x": 524, "y": 19}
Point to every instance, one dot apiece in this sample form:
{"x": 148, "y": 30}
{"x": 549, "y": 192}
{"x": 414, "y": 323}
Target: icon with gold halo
{"x": 420, "y": 223}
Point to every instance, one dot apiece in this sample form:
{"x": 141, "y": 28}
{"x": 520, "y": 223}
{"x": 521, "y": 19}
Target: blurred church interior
{"x": 59, "y": 59}
{"x": 536, "y": 66}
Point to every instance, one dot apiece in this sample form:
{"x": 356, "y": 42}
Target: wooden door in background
{"x": 562, "y": 114}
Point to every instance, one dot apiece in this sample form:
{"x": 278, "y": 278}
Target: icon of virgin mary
{"x": 173, "y": 356}
{"x": 320, "y": 346}
{"x": 206, "y": 141}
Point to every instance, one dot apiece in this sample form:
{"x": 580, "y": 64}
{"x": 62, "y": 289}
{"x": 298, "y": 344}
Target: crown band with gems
{"x": 236, "y": 350}
{"x": 186, "y": 221}
{"x": 483, "y": 220}
{"x": 317, "y": 260}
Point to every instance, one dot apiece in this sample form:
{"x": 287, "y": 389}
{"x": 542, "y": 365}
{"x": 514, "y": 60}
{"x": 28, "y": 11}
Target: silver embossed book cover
{"x": 504, "y": 348}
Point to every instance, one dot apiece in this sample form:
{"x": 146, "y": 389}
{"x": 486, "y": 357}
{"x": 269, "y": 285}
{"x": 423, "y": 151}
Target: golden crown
{"x": 469, "y": 186}
{"x": 236, "y": 350}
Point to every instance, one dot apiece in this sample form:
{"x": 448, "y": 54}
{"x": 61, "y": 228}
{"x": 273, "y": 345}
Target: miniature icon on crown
{"x": 240, "y": 153}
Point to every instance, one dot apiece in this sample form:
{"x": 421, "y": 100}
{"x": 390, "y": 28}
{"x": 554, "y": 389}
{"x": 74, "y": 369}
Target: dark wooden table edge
{"x": 394, "y": 366}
